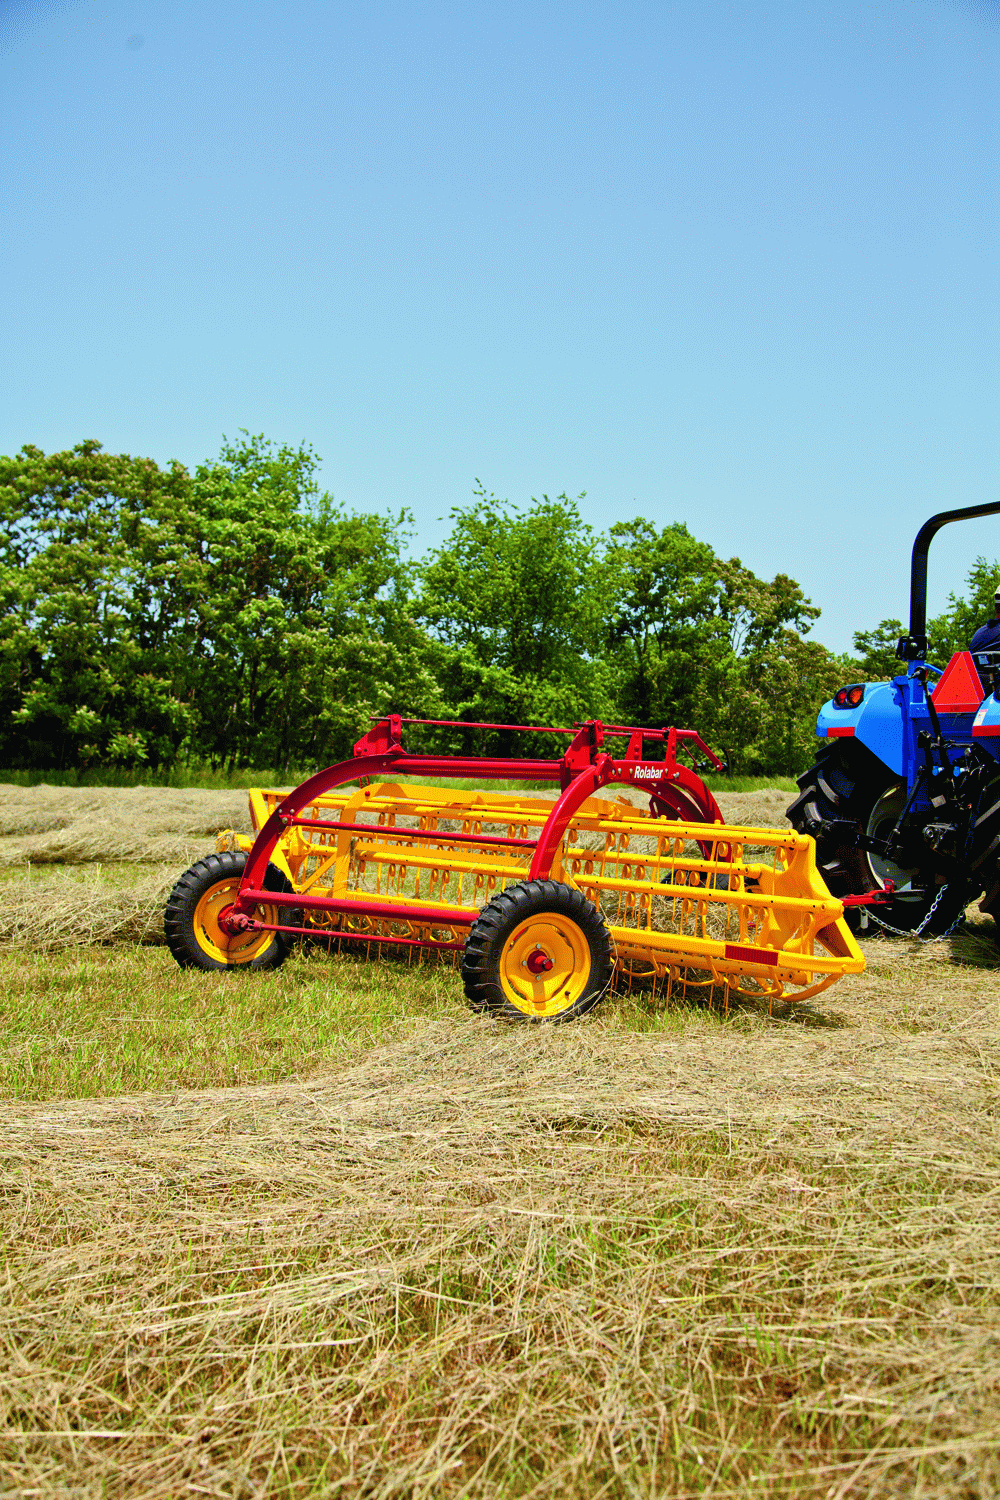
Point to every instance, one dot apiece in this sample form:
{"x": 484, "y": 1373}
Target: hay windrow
{"x": 79, "y": 825}
{"x": 549, "y": 1263}
{"x": 646, "y": 1255}
{"x": 62, "y": 910}
{"x": 59, "y": 828}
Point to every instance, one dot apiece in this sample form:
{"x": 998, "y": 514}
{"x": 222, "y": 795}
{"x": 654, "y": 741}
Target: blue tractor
{"x": 904, "y": 798}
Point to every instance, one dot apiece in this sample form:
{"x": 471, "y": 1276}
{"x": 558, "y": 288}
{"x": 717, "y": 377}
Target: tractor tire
{"x": 191, "y": 920}
{"x": 848, "y": 784}
{"x": 539, "y": 951}
{"x": 984, "y": 853}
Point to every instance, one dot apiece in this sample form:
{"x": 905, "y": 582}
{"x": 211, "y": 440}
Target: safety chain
{"x": 915, "y": 932}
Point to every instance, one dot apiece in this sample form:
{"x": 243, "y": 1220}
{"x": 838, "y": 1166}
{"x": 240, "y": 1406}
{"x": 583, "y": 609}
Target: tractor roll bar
{"x": 913, "y": 647}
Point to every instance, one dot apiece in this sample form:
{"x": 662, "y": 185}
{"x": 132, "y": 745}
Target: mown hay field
{"x": 325, "y": 1232}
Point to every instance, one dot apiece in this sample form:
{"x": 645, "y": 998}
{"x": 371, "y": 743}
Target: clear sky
{"x": 731, "y": 264}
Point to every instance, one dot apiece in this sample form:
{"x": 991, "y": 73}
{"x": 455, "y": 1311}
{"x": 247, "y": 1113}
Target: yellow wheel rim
{"x": 545, "y": 965}
{"x": 209, "y": 936}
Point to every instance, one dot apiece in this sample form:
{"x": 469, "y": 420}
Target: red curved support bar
{"x": 691, "y": 800}
{"x": 316, "y": 786}
{"x": 580, "y": 788}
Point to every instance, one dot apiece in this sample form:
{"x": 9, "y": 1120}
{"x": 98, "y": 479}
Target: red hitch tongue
{"x": 872, "y": 898}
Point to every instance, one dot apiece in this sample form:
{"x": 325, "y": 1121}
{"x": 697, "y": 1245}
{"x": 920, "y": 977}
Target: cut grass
{"x": 121, "y": 1020}
{"x": 49, "y": 835}
{"x": 723, "y": 1259}
{"x": 323, "y": 1232}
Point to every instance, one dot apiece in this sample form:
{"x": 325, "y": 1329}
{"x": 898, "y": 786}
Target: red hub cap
{"x": 538, "y": 962}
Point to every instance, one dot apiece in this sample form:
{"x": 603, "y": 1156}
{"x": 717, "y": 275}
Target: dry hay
{"x": 47, "y": 826}
{"x": 61, "y": 910}
{"x": 763, "y": 809}
{"x": 741, "y": 1260}
{"x": 760, "y": 809}
{"x": 78, "y": 825}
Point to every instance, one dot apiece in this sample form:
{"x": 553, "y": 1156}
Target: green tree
{"x": 515, "y": 601}
{"x": 953, "y": 630}
{"x": 77, "y": 684}
{"x": 305, "y": 630}
{"x": 705, "y": 643}
{"x": 876, "y": 650}
{"x": 234, "y": 615}
{"x": 663, "y": 589}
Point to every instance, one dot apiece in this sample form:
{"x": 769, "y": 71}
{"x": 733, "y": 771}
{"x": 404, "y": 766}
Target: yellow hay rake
{"x": 549, "y": 900}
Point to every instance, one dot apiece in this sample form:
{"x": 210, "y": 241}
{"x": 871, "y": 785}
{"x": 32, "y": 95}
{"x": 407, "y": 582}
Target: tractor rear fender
{"x": 880, "y": 721}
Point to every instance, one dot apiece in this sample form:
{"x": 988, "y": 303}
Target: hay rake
{"x": 550, "y": 901}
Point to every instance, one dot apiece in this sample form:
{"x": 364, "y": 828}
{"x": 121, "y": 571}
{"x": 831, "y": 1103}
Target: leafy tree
{"x": 953, "y": 630}
{"x": 293, "y": 586}
{"x": 514, "y": 599}
{"x": 77, "y": 684}
{"x": 703, "y": 642}
{"x": 664, "y": 594}
{"x": 877, "y": 652}
{"x": 235, "y": 615}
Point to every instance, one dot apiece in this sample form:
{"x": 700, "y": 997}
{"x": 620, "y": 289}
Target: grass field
{"x": 184, "y": 779}
{"x": 325, "y": 1232}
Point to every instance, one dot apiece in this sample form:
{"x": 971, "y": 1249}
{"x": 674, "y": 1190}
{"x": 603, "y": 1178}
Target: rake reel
{"x": 551, "y": 901}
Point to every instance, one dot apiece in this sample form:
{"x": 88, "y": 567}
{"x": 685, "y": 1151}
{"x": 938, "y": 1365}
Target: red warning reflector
{"x": 958, "y": 690}
{"x": 750, "y": 955}
{"x": 840, "y": 732}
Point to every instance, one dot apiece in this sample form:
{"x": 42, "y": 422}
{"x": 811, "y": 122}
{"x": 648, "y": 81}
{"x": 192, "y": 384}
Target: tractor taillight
{"x": 849, "y": 697}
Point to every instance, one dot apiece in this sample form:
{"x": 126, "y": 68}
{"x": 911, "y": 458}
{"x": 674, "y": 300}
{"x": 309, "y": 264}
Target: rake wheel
{"x": 191, "y": 920}
{"x": 539, "y": 951}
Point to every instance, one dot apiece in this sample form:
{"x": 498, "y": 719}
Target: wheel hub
{"x": 233, "y": 923}
{"x": 538, "y": 962}
{"x": 884, "y": 816}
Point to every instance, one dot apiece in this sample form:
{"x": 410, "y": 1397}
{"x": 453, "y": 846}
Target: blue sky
{"x": 731, "y": 264}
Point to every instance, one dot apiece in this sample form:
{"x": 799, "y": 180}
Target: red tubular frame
{"x": 580, "y": 771}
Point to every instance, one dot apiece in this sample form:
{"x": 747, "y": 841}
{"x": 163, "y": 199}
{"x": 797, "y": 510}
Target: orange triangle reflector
{"x": 958, "y": 689}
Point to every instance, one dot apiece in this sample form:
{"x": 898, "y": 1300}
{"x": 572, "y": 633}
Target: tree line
{"x": 235, "y": 616}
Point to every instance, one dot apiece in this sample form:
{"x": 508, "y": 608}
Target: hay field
{"x": 95, "y": 864}
{"x": 410, "y": 1252}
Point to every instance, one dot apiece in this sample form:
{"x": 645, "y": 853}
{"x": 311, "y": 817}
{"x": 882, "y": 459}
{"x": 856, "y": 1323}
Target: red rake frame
{"x": 675, "y": 791}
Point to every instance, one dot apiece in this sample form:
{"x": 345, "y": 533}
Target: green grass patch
{"x": 119, "y": 1020}
{"x": 101, "y": 1021}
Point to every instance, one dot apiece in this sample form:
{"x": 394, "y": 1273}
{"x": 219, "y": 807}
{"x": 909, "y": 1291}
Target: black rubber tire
{"x": 984, "y": 852}
{"x": 188, "y": 939}
{"x": 500, "y": 926}
{"x": 846, "y": 784}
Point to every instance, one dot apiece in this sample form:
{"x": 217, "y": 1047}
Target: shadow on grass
{"x": 643, "y": 1005}
{"x": 800, "y": 1013}
{"x": 973, "y": 946}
